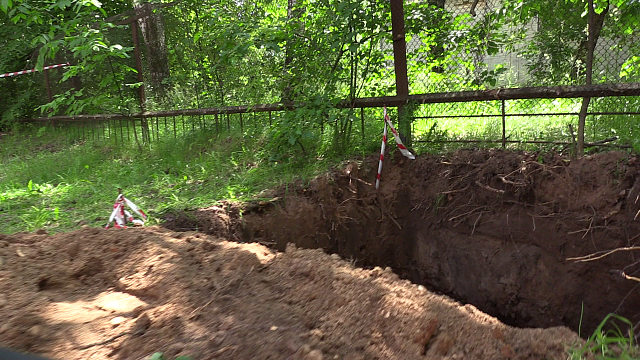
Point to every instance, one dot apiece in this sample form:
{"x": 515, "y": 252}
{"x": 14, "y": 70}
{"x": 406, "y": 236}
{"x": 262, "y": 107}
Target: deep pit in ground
{"x": 487, "y": 227}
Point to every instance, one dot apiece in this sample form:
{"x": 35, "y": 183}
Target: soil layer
{"x": 490, "y": 228}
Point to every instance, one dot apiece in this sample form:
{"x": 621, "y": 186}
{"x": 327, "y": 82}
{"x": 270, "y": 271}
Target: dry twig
{"x": 360, "y": 180}
{"x": 455, "y": 191}
{"x": 474, "y": 224}
{"x": 519, "y": 184}
{"x": 460, "y": 163}
{"x": 628, "y": 277}
{"x": 586, "y": 231}
{"x": 467, "y": 213}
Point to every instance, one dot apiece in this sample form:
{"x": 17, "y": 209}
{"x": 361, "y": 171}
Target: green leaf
{"x": 5, "y": 5}
{"x": 157, "y": 356}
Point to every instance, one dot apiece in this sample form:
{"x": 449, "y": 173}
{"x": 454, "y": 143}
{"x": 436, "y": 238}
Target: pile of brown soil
{"x": 125, "y": 294}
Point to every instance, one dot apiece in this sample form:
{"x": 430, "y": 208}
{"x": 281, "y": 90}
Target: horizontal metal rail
{"x": 524, "y": 115}
{"x": 595, "y": 144}
{"x": 545, "y": 92}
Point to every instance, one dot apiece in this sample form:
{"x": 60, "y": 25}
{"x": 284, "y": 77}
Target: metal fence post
{"x": 400, "y": 66}
{"x": 504, "y": 118}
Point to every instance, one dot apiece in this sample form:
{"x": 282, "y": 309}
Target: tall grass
{"x": 69, "y": 184}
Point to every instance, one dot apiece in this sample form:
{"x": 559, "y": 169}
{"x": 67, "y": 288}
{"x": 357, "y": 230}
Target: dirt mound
{"x": 490, "y": 228}
{"x": 125, "y": 294}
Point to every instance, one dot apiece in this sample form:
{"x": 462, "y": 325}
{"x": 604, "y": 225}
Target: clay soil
{"x": 70, "y": 296}
{"x": 488, "y": 228}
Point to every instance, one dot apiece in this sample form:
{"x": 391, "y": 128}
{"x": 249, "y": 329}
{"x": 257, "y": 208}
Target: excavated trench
{"x": 490, "y": 228}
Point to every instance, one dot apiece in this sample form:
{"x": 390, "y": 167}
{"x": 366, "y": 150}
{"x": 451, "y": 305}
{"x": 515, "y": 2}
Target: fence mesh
{"x": 318, "y": 52}
{"x": 492, "y": 44}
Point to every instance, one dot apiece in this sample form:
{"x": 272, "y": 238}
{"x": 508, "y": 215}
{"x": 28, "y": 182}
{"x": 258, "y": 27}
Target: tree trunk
{"x": 287, "y": 91}
{"x": 400, "y": 65}
{"x": 438, "y": 49}
{"x": 152, "y": 27}
{"x": 596, "y": 22}
{"x": 583, "y": 48}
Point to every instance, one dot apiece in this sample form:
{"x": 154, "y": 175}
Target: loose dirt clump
{"x": 222, "y": 220}
{"x": 125, "y": 294}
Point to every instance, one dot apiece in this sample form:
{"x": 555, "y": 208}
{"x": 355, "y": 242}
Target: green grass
{"x": 612, "y": 344}
{"x": 77, "y": 182}
{"x": 160, "y": 356}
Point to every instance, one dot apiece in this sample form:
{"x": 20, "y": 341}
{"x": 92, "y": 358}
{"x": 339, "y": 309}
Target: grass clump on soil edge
{"x": 58, "y": 185}
{"x": 609, "y": 344}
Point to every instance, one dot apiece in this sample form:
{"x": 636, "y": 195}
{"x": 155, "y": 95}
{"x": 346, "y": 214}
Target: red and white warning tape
{"x": 120, "y": 216}
{"x": 382, "y": 148}
{"x": 403, "y": 149}
{"x": 32, "y": 70}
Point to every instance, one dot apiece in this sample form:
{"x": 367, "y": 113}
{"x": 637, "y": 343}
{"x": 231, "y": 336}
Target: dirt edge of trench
{"x": 487, "y": 227}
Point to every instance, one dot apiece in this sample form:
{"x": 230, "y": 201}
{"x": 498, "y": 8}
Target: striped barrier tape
{"x": 120, "y": 216}
{"x": 396, "y": 135}
{"x": 32, "y": 70}
{"x": 403, "y": 149}
{"x": 382, "y": 148}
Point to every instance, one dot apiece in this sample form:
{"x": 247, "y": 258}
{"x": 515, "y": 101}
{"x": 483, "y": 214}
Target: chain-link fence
{"x": 323, "y": 51}
{"x": 492, "y": 44}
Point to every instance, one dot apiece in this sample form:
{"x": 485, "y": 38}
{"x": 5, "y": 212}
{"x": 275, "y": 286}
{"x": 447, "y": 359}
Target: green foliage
{"x": 556, "y": 54}
{"x": 38, "y": 33}
{"x": 612, "y": 344}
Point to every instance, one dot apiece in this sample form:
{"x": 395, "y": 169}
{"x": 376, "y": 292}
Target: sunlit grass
{"x": 77, "y": 184}
{"x": 525, "y": 128}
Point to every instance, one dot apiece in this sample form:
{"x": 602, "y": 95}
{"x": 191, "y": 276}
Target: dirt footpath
{"x": 125, "y": 294}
